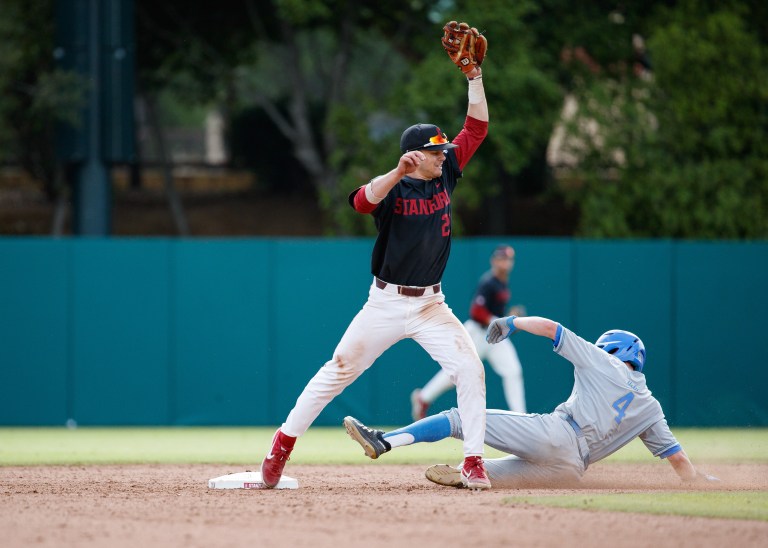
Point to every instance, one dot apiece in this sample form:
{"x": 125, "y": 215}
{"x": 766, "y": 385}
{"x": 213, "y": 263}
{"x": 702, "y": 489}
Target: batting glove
{"x": 500, "y": 328}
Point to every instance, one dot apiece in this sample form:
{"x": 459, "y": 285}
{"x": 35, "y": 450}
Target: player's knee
{"x": 342, "y": 367}
{"x": 514, "y": 375}
{"x": 469, "y": 370}
{"x": 455, "y": 419}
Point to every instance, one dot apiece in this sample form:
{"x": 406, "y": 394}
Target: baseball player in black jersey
{"x": 489, "y": 302}
{"x": 411, "y": 207}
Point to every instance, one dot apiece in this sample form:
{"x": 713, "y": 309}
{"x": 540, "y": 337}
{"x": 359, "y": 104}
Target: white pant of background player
{"x": 385, "y": 319}
{"x": 502, "y": 357}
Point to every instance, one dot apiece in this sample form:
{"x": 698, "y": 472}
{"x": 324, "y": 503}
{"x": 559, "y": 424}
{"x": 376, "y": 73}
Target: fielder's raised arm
{"x": 467, "y": 48}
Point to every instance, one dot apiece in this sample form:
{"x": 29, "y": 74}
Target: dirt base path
{"x": 368, "y": 505}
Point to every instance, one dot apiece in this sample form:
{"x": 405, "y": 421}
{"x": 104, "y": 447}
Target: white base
{"x": 249, "y": 480}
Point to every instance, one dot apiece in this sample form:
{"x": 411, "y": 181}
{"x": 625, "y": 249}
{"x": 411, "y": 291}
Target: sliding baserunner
{"x": 610, "y": 405}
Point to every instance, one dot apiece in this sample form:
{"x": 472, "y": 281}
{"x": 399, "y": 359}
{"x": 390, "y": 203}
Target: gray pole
{"x": 93, "y": 190}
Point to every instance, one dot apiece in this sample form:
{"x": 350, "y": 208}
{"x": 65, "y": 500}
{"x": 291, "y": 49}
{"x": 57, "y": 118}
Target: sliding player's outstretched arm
{"x": 685, "y": 469}
{"x": 501, "y": 328}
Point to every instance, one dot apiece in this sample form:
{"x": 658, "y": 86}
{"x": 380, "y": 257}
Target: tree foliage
{"x": 316, "y": 68}
{"x": 331, "y": 84}
{"x": 33, "y": 93}
{"x": 683, "y": 155}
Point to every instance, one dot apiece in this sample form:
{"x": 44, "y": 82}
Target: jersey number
{"x": 621, "y": 405}
{"x": 446, "y": 224}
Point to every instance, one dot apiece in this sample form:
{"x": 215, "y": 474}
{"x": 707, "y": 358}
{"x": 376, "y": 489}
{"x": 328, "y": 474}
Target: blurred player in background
{"x": 489, "y": 302}
{"x": 610, "y": 405}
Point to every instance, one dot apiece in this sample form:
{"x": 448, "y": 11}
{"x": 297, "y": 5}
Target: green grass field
{"x": 246, "y": 446}
{"x": 752, "y": 505}
{"x": 190, "y": 445}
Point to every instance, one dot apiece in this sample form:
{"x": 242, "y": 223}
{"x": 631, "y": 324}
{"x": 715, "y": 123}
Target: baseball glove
{"x": 464, "y": 45}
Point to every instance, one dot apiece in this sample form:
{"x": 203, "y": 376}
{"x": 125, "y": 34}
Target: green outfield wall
{"x": 228, "y": 331}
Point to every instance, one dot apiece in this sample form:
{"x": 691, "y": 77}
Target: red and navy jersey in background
{"x": 414, "y": 219}
{"x": 490, "y": 299}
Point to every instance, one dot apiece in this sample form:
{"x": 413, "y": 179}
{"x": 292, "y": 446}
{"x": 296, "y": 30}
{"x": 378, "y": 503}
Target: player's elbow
{"x": 359, "y": 202}
{"x": 551, "y": 329}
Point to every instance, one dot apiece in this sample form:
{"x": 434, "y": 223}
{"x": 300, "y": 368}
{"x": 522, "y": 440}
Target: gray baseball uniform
{"x": 609, "y": 406}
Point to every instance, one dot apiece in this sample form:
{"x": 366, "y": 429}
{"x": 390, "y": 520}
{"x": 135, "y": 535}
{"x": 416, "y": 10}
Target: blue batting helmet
{"x": 624, "y": 345}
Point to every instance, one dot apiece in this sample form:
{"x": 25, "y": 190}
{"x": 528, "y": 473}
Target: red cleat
{"x": 273, "y": 464}
{"x": 418, "y": 406}
{"x": 473, "y": 474}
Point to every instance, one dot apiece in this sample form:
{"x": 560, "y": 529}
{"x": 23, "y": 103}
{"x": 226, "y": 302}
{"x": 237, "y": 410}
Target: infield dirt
{"x": 367, "y": 505}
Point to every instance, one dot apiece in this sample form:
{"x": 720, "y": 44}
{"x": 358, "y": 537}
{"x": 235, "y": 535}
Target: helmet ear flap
{"x": 640, "y": 358}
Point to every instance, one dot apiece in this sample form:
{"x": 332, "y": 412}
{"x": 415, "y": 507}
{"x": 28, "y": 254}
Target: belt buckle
{"x": 406, "y": 290}
{"x": 410, "y": 291}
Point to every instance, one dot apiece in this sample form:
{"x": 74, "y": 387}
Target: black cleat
{"x": 371, "y": 440}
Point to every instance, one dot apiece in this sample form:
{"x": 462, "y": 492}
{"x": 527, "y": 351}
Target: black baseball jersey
{"x": 414, "y": 224}
{"x": 414, "y": 219}
{"x": 492, "y": 296}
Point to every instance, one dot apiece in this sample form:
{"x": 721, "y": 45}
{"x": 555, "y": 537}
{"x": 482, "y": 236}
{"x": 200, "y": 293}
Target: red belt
{"x": 408, "y": 291}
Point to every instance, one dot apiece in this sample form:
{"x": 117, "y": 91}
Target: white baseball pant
{"x": 385, "y": 319}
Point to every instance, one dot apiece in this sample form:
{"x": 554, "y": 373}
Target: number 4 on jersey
{"x": 621, "y": 405}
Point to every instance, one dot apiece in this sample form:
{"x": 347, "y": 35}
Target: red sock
{"x": 286, "y": 441}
